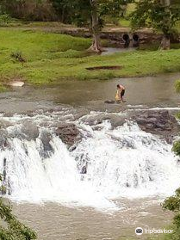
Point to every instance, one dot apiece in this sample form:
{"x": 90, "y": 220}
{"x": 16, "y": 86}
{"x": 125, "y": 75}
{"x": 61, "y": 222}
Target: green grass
{"x": 124, "y": 23}
{"x": 52, "y": 57}
{"x": 130, "y": 8}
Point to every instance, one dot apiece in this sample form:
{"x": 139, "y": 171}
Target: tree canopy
{"x": 161, "y": 15}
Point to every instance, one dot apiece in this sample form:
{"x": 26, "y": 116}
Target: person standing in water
{"x": 120, "y": 93}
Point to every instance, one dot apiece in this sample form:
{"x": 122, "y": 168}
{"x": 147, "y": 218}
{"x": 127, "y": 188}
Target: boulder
{"x": 29, "y": 131}
{"x": 68, "y": 133}
{"x": 109, "y": 102}
{"x": 158, "y": 122}
{"x": 3, "y": 139}
{"x": 47, "y": 149}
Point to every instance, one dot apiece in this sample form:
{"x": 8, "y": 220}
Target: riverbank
{"x": 46, "y": 58}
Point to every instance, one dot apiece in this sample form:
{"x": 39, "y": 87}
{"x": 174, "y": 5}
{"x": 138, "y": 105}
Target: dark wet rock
{"x": 68, "y": 133}
{"x": 47, "y": 149}
{"x": 82, "y": 163}
{"x": 3, "y": 139}
{"x": 96, "y": 119}
{"x": 30, "y": 131}
{"x": 117, "y": 121}
{"x": 110, "y": 102}
{"x": 5, "y": 124}
{"x": 158, "y": 122}
{"x": 27, "y": 130}
{"x": 84, "y": 170}
{"x": 72, "y": 148}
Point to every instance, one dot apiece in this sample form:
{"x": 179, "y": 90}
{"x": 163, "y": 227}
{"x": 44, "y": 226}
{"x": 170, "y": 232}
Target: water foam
{"x": 120, "y": 162}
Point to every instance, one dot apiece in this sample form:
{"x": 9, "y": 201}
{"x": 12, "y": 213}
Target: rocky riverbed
{"x": 68, "y": 156}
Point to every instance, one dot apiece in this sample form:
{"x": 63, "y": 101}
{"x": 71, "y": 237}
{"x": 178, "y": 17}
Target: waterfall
{"x": 106, "y": 165}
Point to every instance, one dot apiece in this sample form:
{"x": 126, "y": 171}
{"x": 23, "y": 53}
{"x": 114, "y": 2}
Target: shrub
{"x": 14, "y": 230}
{"x": 176, "y": 148}
{"x": 177, "y": 85}
{"x": 5, "y": 19}
{"x": 18, "y": 56}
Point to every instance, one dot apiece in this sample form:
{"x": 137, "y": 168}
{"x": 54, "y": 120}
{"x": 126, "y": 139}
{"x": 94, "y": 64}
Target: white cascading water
{"x": 106, "y": 165}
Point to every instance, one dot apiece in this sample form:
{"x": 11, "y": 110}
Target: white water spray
{"x": 107, "y": 164}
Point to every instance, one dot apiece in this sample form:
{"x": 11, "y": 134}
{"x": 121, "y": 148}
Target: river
{"x": 128, "y": 171}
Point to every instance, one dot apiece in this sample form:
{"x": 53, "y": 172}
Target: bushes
{"x": 173, "y": 204}
{"x": 14, "y": 230}
{"x": 176, "y": 148}
{"x": 34, "y": 10}
{"x": 4, "y": 19}
{"x": 17, "y": 56}
{"x": 177, "y": 85}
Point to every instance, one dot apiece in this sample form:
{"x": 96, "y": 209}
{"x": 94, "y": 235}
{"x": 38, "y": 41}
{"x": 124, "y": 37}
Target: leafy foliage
{"x": 155, "y": 14}
{"x": 178, "y": 115}
{"x": 10, "y": 227}
{"x": 177, "y": 85}
{"x": 79, "y": 11}
{"x": 176, "y": 148}
{"x": 73, "y": 11}
{"x": 4, "y": 19}
{"x": 34, "y": 10}
{"x": 173, "y": 203}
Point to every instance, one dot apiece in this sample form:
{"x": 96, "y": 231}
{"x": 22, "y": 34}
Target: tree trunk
{"x": 96, "y": 43}
{"x": 166, "y": 42}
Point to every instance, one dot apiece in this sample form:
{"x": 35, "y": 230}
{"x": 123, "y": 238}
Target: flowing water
{"x": 115, "y": 178}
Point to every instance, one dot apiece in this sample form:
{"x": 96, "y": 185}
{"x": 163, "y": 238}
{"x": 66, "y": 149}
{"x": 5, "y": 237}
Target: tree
{"x": 14, "y": 230}
{"x": 158, "y": 14}
{"x": 100, "y": 9}
{"x": 95, "y": 27}
{"x": 82, "y": 13}
{"x": 72, "y": 11}
{"x": 89, "y": 13}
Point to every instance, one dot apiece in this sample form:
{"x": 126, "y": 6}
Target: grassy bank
{"x": 49, "y": 57}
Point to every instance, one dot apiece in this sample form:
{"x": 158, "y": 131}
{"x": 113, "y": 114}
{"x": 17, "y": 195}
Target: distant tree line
{"x": 34, "y": 10}
{"x": 66, "y": 11}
